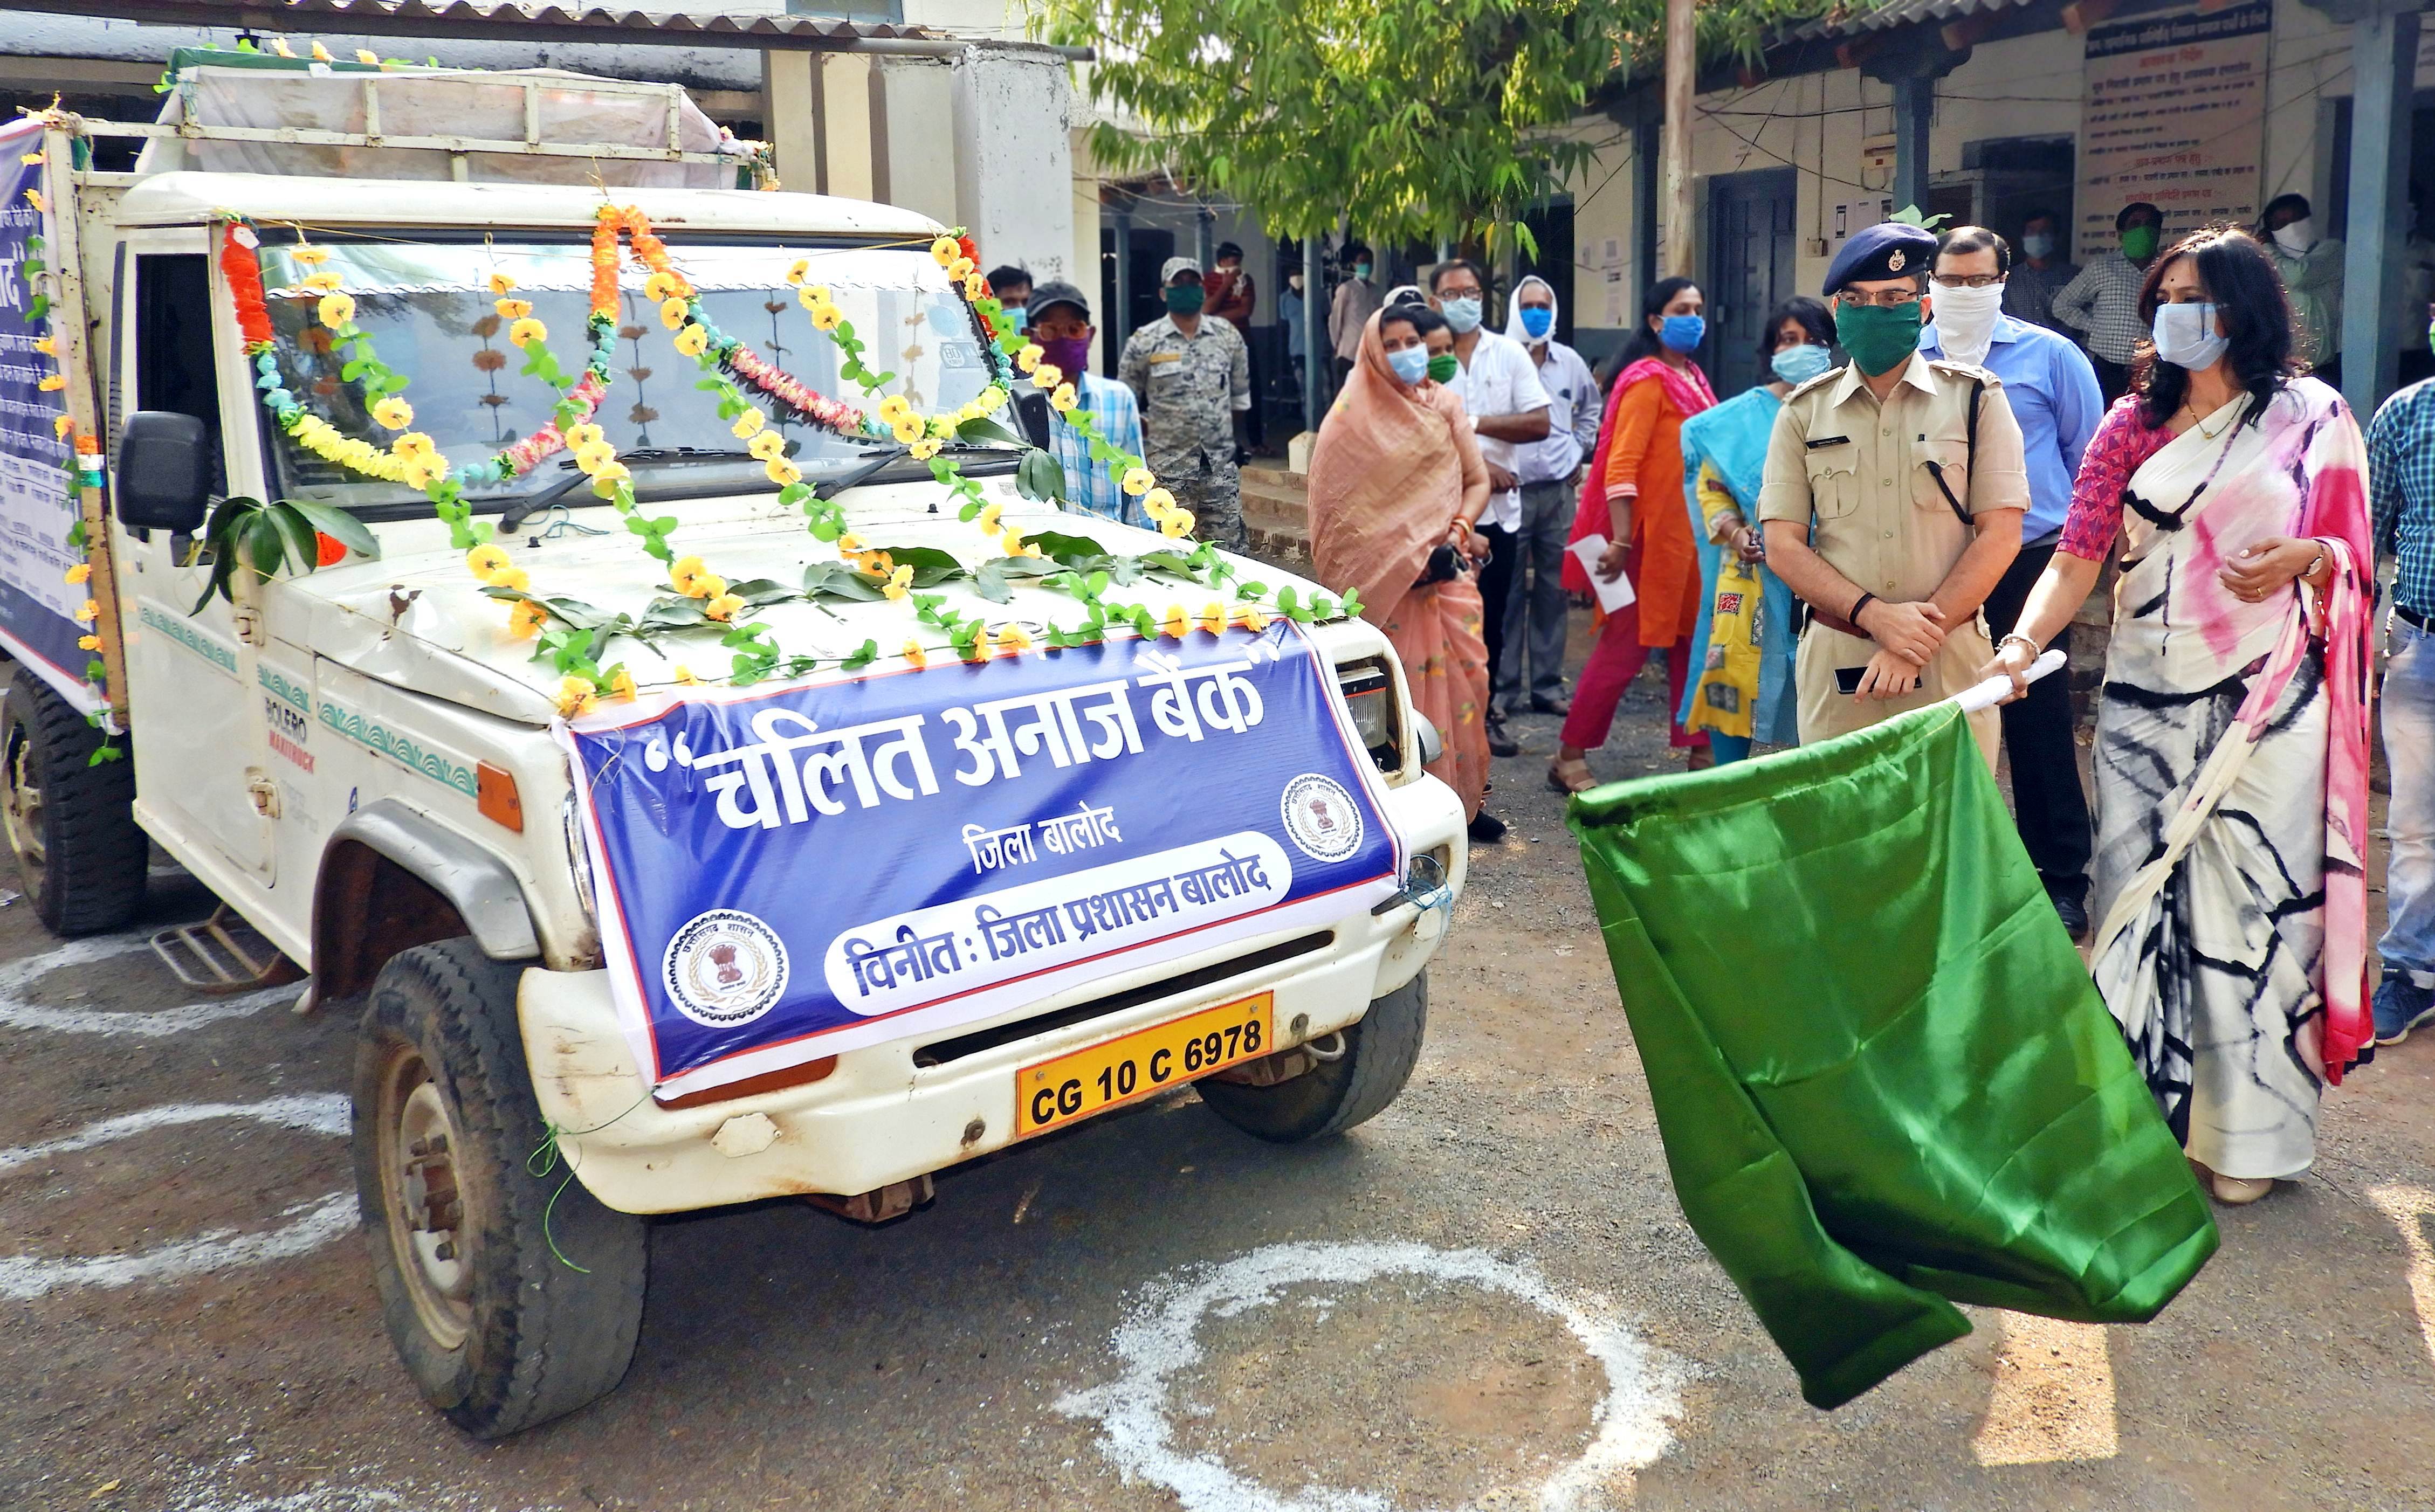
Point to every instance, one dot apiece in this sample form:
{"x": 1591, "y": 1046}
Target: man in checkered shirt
{"x": 2103, "y": 301}
{"x": 1060, "y": 323}
{"x": 2401, "y": 482}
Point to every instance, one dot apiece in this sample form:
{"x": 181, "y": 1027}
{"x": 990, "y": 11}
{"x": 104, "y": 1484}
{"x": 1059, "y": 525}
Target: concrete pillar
{"x": 1013, "y": 158}
{"x": 2384, "y": 62}
{"x": 914, "y": 156}
{"x": 1914, "y": 112}
{"x": 790, "y": 105}
{"x": 846, "y": 146}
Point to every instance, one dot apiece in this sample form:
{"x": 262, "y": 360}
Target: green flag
{"x": 1884, "y": 1081}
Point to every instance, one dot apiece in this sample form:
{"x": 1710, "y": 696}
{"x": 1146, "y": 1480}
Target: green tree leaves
{"x": 1416, "y": 119}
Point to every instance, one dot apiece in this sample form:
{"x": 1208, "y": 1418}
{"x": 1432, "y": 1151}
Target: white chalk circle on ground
{"x": 16, "y": 976}
{"x": 1633, "y": 1424}
{"x": 305, "y": 1227}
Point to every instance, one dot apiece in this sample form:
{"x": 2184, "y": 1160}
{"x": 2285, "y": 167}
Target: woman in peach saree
{"x": 1395, "y": 474}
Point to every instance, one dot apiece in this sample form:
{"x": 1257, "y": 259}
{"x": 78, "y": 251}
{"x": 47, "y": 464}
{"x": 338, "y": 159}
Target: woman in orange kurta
{"x": 1395, "y": 474}
{"x": 1640, "y": 458}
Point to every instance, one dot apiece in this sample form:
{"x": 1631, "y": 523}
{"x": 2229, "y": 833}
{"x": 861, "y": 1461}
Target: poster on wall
{"x": 38, "y": 505}
{"x": 2174, "y": 114}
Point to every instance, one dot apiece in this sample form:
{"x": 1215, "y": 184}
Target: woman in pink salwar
{"x": 2232, "y": 732}
{"x": 1396, "y": 475}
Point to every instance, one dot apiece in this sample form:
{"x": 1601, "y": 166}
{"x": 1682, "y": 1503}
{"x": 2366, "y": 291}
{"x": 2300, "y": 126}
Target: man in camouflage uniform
{"x": 1193, "y": 378}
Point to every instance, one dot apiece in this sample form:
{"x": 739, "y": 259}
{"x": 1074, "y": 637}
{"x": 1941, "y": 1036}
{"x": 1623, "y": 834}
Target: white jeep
{"x": 369, "y": 765}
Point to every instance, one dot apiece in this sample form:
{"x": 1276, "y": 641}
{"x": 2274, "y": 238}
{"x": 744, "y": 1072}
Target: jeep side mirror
{"x": 164, "y": 472}
{"x": 1032, "y": 410}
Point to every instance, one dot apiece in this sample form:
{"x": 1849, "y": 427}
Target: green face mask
{"x": 2139, "y": 243}
{"x": 1443, "y": 367}
{"x": 1878, "y": 340}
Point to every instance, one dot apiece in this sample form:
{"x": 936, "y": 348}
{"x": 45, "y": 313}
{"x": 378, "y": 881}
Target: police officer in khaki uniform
{"x": 1886, "y": 508}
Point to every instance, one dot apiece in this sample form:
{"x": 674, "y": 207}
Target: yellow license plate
{"x": 1073, "y": 1087}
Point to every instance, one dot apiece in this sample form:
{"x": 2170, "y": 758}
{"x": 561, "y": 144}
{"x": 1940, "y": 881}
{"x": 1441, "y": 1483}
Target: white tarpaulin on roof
{"x": 572, "y": 109}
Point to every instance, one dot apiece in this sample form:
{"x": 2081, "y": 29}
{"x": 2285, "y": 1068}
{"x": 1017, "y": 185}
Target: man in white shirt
{"x": 1499, "y": 385}
{"x": 1550, "y": 469}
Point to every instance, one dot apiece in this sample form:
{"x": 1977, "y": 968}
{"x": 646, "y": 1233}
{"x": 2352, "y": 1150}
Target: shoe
{"x": 1499, "y": 743}
{"x": 1540, "y": 704}
{"x": 2401, "y": 1006}
{"x": 2072, "y": 911}
{"x": 1570, "y": 777}
{"x": 1486, "y": 828}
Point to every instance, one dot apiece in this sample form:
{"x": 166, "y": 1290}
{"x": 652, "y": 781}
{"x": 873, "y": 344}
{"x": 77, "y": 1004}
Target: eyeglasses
{"x": 1881, "y": 299}
{"x": 1968, "y": 281}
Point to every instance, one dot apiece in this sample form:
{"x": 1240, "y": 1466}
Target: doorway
{"x": 1128, "y": 304}
{"x": 1551, "y": 226}
{"x": 1750, "y": 219}
{"x": 2004, "y": 181}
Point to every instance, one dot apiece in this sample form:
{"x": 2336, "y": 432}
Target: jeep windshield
{"x": 429, "y": 308}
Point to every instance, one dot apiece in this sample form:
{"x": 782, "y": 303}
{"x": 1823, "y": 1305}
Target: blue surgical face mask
{"x": 1021, "y": 314}
{"x": 1411, "y": 364}
{"x": 2038, "y": 245}
{"x": 1798, "y": 365}
{"x": 1684, "y": 333}
{"x": 1537, "y": 321}
{"x": 2185, "y": 336}
{"x": 1462, "y": 314}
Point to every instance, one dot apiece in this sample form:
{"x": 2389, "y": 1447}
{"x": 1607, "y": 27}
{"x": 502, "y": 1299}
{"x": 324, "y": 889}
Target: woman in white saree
{"x": 2232, "y": 734}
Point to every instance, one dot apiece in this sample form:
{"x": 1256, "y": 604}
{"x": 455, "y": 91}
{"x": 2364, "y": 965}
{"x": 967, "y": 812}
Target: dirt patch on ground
{"x": 1421, "y": 1392}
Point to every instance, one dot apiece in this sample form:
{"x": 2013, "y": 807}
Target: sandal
{"x": 2238, "y": 1191}
{"x": 1570, "y": 777}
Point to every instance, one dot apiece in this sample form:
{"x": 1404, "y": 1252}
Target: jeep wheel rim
{"x": 425, "y": 1206}
{"x": 21, "y": 813}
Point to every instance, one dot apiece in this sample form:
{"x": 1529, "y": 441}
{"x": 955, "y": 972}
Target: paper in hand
{"x": 1611, "y": 596}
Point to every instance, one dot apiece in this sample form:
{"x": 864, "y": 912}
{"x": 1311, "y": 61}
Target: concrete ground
{"x": 1487, "y": 1297}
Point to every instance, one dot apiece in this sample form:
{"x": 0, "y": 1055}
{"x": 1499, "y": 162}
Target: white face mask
{"x": 1966, "y": 321}
{"x": 2298, "y": 236}
{"x": 2187, "y": 337}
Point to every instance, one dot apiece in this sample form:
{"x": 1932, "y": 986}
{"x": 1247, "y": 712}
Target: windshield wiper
{"x": 523, "y": 510}
{"x": 838, "y": 484}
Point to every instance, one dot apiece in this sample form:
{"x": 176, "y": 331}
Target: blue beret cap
{"x": 1887, "y": 249}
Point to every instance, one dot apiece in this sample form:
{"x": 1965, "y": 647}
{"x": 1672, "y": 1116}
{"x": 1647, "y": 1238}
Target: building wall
{"x": 2022, "y": 87}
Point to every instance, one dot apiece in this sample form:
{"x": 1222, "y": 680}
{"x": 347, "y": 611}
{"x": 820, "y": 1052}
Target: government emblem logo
{"x": 1320, "y": 817}
{"x": 1895, "y": 259}
{"x": 725, "y": 968}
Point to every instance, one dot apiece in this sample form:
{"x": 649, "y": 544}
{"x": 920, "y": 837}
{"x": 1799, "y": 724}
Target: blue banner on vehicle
{"x": 37, "y": 496}
{"x": 791, "y": 873}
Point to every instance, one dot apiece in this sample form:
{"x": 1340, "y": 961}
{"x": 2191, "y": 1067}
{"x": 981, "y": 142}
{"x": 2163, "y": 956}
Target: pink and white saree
{"x": 2232, "y": 784}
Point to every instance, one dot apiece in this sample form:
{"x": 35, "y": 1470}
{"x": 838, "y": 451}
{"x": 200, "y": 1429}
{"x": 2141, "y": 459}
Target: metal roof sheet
{"x": 1851, "y": 21}
{"x": 544, "y": 23}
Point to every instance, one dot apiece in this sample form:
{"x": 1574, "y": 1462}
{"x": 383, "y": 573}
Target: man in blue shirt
{"x": 2401, "y": 484}
{"x": 2054, "y": 395}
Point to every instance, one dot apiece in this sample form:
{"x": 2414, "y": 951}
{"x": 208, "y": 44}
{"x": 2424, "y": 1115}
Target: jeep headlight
{"x": 1369, "y": 691}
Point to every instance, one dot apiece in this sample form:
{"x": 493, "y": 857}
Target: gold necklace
{"x": 2198, "y": 423}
